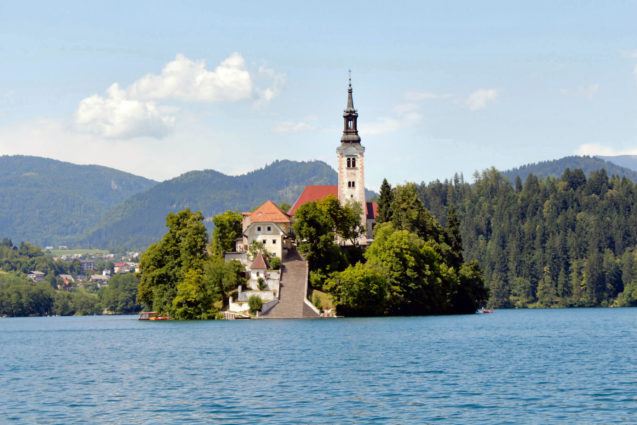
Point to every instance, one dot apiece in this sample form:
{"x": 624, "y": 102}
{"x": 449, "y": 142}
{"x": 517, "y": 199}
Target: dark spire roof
{"x": 350, "y": 132}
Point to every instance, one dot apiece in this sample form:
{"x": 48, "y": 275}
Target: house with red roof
{"x": 267, "y": 225}
{"x": 351, "y": 174}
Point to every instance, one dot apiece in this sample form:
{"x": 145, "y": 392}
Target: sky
{"x": 161, "y": 88}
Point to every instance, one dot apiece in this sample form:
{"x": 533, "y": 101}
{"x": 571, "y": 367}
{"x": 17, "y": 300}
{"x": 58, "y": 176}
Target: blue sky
{"x": 159, "y": 88}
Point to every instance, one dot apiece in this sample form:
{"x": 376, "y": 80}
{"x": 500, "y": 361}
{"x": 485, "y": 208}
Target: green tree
{"x": 194, "y": 300}
{"x": 385, "y": 200}
{"x": 359, "y": 290}
{"x": 120, "y": 295}
{"x": 255, "y": 303}
{"x": 165, "y": 263}
{"x": 227, "y": 229}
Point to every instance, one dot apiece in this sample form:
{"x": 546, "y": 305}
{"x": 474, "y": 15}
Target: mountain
{"x": 626, "y": 161}
{"x": 140, "y": 220}
{"x": 50, "y": 202}
{"x": 555, "y": 168}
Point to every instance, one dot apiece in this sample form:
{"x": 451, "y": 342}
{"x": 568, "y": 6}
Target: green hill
{"x": 140, "y": 220}
{"x": 555, "y": 168}
{"x": 50, "y": 202}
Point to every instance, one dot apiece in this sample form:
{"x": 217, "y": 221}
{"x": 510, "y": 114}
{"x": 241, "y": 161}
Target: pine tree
{"x": 385, "y": 203}
{"x": 453, "y": 238}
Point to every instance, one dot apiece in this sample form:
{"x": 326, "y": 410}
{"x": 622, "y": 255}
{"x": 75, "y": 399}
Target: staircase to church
{"x": 292, "y": 292}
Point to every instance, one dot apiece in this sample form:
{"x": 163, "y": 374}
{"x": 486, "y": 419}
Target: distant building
{"x": 100, "y": 279}
{"x": 36, "y": 276}
{"x": 87, "y": 265}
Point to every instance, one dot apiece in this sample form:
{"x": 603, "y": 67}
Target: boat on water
{"x": 152, "y": 315}
{"x": 485, "y": 310}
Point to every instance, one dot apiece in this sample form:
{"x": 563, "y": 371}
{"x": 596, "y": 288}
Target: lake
{"x": 513, "y": 366}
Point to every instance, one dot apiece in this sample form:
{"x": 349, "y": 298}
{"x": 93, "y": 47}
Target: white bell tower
{"x": 351, "y": 163}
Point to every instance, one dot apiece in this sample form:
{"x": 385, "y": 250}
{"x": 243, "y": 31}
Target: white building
{"x": 269, "y": 226}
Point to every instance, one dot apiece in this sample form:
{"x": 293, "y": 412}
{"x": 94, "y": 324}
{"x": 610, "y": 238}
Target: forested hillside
{"x": 50, "y": 202}
{"x": 556, "y": 167}
{"x": 567, "y": 241}
{"x": 140, "y": 220}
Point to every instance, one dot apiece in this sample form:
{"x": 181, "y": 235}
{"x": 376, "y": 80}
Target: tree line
{"x": 552, "y": 242}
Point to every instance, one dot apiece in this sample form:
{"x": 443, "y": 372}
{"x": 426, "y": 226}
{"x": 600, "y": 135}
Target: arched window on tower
{"x": 349, "y": 162}
{"x": 353, "y": 162}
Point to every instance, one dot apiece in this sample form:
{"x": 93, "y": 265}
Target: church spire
{"x": 350, "y": 116}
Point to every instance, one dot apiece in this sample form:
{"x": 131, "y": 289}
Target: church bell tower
{"x": 351, "y": 171}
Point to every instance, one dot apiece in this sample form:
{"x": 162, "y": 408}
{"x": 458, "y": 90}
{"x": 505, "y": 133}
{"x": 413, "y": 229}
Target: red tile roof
{"x": 313, "y": 193}
{"x": 372, "y": 210}
{"x": 269, "y": 213}
{"x": 259, "y": 263}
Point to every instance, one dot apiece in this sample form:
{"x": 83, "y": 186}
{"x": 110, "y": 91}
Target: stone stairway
{"x": 291, "y": 304}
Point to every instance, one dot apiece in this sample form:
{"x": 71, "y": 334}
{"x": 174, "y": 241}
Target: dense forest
{"x": 567, "y": 241}
{"x": 51, "y": 202}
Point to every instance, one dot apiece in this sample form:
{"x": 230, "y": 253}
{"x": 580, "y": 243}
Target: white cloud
{"x": 424, "y": 95}
{"x": 479, "y": 99}
{"x": 288, "y": 127}
{"x": 594, "y": 149}
{"x": 190, "y": 81}
{"x": 133, "y": 112}
{"x": 389, "y": 124}
{"x": 274, "y": 79}
{"x": 117, "y": 116}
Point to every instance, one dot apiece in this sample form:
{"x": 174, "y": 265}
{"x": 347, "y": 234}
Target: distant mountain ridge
{"x": 626, "y": 161}
{"x": 555, "y": 168}
{"x": 140, "y": 220}
{"x": 49, "y": 202}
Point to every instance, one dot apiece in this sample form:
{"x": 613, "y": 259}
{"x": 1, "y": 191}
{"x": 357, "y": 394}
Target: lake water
{"x": 518, "y": 366}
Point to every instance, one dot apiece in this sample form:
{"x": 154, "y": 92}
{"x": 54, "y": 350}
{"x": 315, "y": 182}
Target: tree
{"x": 416, "y": 276}
{"x": 409, "y": 213}
{"x": 359, "y": 290}
{"x": 315, "y": 231}
{"x": 194, "y": 300}
{"x": 165, "y": 263}
{"x": 284, "y": 206}
{"x": 385, "y": 200}
{"x": 120, "y": 294}
{"x": 228, "y": 227}
{"x": 255, "y": 303}
{"x": 453, "y": 239}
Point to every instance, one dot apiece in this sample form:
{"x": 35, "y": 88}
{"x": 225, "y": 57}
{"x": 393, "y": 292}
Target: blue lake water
{"x": 518, "y": 366}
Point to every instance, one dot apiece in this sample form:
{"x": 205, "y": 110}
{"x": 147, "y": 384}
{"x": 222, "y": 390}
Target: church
{"x": 270, "y": 226}
{"x": 351, "y": 174}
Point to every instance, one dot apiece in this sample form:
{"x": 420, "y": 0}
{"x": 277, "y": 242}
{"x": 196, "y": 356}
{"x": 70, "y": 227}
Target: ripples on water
{"x": 534, "y": 366}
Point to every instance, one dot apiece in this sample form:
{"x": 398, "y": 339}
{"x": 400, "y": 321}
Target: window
{"x": 258, "y": 228}
{"x": 264, "y": 241}
{"x": 351, "y": 184}
{"x": 353, "y": 162}
{"x": 349, "y": 162}
{"x": 273, "y": 241}
{"x": 269, "y": 228}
